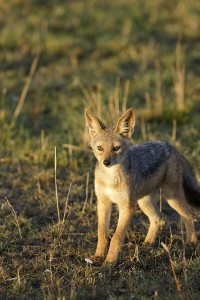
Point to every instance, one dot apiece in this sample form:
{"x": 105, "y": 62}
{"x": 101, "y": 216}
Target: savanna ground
{"x": 104, "y": 55}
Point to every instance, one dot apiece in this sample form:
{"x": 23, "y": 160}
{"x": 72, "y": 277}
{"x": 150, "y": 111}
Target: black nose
{"x": 106, "y": 162}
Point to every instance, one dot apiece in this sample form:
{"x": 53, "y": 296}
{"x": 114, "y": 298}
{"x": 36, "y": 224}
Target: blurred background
{"x": 141, "y": 54}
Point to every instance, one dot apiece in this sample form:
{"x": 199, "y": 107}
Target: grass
{"x": 105, "y": 56}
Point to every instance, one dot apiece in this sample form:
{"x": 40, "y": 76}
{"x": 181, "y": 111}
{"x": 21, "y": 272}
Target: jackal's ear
{"x": 126, "y": 123}
{"x": 94, "y": 124}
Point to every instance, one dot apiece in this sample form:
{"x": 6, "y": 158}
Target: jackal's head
{"x": 110, "y": 143}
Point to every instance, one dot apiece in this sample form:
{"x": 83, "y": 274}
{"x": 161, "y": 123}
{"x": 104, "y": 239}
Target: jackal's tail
{"x": 190, "y": 185}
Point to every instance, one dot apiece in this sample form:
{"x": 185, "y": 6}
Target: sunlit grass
{"x": 106, "y": 56}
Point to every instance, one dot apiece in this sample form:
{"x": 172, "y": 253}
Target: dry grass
{"x": 106, "y": 56}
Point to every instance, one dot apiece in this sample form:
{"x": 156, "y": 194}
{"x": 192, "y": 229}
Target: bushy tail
{"x": 190, "y": 185}
{"x": 192, "y": 190}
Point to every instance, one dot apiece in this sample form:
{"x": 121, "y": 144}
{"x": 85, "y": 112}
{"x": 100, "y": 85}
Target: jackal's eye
{"x": 100, "y": 148}
{"x": 116, "y": 148}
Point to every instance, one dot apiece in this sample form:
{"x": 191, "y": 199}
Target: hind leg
{"x": 177, "y": 201}
{"x": 149, "y": 208}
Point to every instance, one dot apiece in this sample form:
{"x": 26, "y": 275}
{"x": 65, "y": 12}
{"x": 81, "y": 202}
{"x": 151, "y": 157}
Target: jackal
{"x": 127, "y": 173}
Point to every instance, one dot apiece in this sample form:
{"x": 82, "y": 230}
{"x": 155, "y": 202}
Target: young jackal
{"x": 128, "y": 173}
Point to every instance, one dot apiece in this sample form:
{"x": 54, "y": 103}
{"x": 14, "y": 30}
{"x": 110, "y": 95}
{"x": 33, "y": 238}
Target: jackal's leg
{"x": 177, "y": 201}
{"x": 148, "y": 206}
{"x": 125, "y": 215}
{"x": 104, "y": 207}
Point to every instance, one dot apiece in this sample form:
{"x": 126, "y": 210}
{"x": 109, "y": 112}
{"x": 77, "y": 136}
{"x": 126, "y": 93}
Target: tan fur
{"x": 114, "y": 184}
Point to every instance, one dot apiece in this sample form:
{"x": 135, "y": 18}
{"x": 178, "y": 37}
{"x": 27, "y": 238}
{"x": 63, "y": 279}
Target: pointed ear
{"x": 126, "y": 123}
{"x": 94, "y": 124}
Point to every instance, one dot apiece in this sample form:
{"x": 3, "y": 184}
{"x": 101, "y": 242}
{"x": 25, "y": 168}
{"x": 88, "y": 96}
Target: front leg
{"x": 125, "y": 215}
{"x": 104, "y": 207}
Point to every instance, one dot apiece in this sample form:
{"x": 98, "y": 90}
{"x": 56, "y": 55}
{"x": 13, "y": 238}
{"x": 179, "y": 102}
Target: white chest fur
{"x": 111, "y": 183}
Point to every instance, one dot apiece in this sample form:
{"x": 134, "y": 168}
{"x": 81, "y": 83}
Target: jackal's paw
{"x": 95, "y": 260}
{"x": 193, "y": 244}
{"x": 109, "y": 264}
{"x": 149, "y": 243}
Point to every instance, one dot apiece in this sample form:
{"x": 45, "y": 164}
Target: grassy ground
{"x": 105, "y": 55}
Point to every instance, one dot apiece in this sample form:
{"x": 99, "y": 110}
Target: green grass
{"x": 104, "y": 55}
